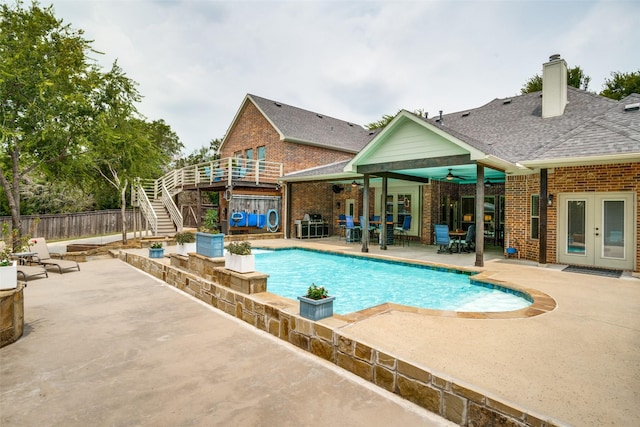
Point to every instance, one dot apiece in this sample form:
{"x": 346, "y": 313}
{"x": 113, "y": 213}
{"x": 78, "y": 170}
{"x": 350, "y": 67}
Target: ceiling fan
{"x": 450, "y": 176}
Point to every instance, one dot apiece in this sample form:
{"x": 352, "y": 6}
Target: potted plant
{"x": 8, "y": 265}
{"x": 186, "y": 241}
{"x": 8, "y": 268}
{"x": 156, "y": 250}
{"x": 239, "y": 257}
{"x": 209, "y": 241}
{"x": 316, "y": 304}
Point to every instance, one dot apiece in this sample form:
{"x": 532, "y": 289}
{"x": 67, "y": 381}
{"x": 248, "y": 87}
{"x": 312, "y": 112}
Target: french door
{"x": 597, "y": 229}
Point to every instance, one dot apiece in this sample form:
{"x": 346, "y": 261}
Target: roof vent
{"x": 319, "y": 115}
{"x": 506, "y": 101}
{"x": 350, "y": 124}
{"x": 278, "y": 104}
{"x": 465, "y": 114}
{"x": 440, "y": 119}
{"x": 632, "y": 107}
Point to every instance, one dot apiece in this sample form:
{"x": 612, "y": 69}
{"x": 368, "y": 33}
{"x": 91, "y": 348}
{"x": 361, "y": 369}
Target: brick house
{"x": 267, "y": 130}
{"x": 553, "y": 174}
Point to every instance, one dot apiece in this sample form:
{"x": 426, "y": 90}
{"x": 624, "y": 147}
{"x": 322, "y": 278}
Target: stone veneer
{"x": 11, "y": 314}
{"x": 207, "y": 279}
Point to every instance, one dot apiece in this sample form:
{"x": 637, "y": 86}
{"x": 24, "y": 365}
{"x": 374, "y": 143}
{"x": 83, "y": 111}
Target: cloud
{"x": 196, "y": 60}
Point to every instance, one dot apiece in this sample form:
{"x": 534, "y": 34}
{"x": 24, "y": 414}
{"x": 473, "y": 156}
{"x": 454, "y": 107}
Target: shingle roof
{"x": 330, "y": 169}
{"x": 513, "y": 128}
{"x": 298, "y": 125}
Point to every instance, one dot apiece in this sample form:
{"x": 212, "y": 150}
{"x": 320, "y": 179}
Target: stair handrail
{"x": 174, "y": 213}
{"x": 146, "y": 208}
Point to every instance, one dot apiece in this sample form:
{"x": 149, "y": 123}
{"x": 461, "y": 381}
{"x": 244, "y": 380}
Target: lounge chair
{"x": 442, "y": 238}
{"x": 39, "y": 246}
{"x": 26, "y": 272}
{"x": 23, "y": 270}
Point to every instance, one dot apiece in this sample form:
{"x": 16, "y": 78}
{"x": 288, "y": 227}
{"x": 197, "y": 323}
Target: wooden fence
{"x": 75, "y": 225}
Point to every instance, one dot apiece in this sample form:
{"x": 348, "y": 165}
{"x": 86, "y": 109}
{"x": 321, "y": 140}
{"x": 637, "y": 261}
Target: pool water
{"x": 359, "y": 283}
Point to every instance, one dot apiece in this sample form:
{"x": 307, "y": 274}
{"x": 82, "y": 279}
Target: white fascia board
{"x": 327, "y": 177}
{"x": 583, "y": 161}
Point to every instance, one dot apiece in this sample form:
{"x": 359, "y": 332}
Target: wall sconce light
{"x": 354, "y": 184}
{"x": 550, "y": 200}
{"x": 338, "y": 205}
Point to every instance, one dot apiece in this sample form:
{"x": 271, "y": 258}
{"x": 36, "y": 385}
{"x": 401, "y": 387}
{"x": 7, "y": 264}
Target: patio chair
{"x": 38, "y": 245}
{"x": 442, "y": 238}
{"x": 353, "y": 232}
{"x": 470, "y": 240}
{"x": 342, "y": 225}
{"x": 402, "y": 231}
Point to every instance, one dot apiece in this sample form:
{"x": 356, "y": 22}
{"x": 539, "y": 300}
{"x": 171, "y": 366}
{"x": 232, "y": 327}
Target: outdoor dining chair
{"x": 442, "y": 238}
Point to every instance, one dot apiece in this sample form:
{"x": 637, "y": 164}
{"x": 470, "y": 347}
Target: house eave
{"x": 582, "y": 161}
{"x": 315, "y": 144}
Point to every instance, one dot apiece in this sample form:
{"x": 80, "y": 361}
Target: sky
{"x": 195, "y": 60}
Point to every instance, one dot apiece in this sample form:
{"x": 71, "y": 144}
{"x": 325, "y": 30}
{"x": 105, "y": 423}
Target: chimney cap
{"x": 554, "y": 57}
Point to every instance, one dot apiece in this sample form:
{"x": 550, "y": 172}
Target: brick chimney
{"x": 554, "y": 87}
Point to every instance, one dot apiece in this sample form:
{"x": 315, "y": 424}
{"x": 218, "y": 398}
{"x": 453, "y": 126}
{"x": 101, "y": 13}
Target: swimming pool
{"x": 359, "y": 283}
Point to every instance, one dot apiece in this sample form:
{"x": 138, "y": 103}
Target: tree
{"x": 386, "y": 119}
{"x": 575, "y": 78}
{"x": 200, "y": 155}
{"x": 46, "y": 83}
{"x": 621, "y": 85}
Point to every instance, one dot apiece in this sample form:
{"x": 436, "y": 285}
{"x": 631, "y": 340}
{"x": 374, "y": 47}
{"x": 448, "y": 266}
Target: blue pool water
{"x": 359, "y": 283}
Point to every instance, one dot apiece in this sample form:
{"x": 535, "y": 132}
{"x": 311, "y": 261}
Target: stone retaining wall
{"x": 11, "y": 314}
{"x": 232, "y": 293}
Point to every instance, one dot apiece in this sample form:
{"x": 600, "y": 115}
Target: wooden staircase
{"x": 166, "y": 227}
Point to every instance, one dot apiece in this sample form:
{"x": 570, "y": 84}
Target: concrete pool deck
{"x": 577, "y": 364}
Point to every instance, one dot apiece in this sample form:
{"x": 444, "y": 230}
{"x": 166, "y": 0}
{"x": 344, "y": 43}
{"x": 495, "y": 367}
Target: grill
{"x": 312, "y": 226}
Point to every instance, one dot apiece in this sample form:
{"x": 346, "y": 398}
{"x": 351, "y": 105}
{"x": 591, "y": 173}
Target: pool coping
{"x": 541, "y": 302}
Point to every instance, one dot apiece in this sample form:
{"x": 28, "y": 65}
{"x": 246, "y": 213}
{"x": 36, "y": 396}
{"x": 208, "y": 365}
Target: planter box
{"x": 316, "y": 309}
{"x": 9, "y": 276}
{"x": 211, "y": 245}
{"x": 156, "y": 253}
{"x": 185, "y": 248}
{"x": 240, "y": 263}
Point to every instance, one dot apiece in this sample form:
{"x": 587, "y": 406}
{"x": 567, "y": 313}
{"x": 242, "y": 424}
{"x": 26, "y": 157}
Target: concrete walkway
{"x": 109, "y": 345}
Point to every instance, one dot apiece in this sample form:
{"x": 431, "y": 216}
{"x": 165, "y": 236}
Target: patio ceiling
{"x": 462, "y": 174}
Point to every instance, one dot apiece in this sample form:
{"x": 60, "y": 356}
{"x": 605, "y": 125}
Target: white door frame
{"x": 593, "y": 247}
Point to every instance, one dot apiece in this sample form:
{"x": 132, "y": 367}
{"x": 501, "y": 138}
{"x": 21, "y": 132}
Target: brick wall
{"x": 576, "y": 179}
{"x": 252, "y": 130}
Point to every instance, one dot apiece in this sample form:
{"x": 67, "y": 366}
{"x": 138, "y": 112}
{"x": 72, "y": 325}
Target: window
{"x": 249, "y": 156}
{"x": 262, "y": 156}
{"x": 535, "y": 216}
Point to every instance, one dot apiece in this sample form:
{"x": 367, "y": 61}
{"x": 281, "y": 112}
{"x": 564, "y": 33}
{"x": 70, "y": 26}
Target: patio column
{"x": 543, "y": 203}
{"x": 383, "y": 215}
{"x": 479, "y": 215}
{"x": 365, "y": 214}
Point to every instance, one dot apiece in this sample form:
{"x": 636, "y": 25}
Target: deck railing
{"x": 227, "y": 172}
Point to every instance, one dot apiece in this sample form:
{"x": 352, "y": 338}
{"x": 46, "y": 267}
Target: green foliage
{"x": 13, "y": 242}
{"x": 200, "y": 155}
{"x": 62, "y": 119}
{"x": 185, "y": 237}
{"x": 317, "y": 292}
{"x": 621, "y": 85}
{"x": 386, "y": 119}
{"x": 156, "y": 245}
{"x": 211, "y": 222}
{"x": 575, "y": 78}
{"x": 242, "y": 247}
